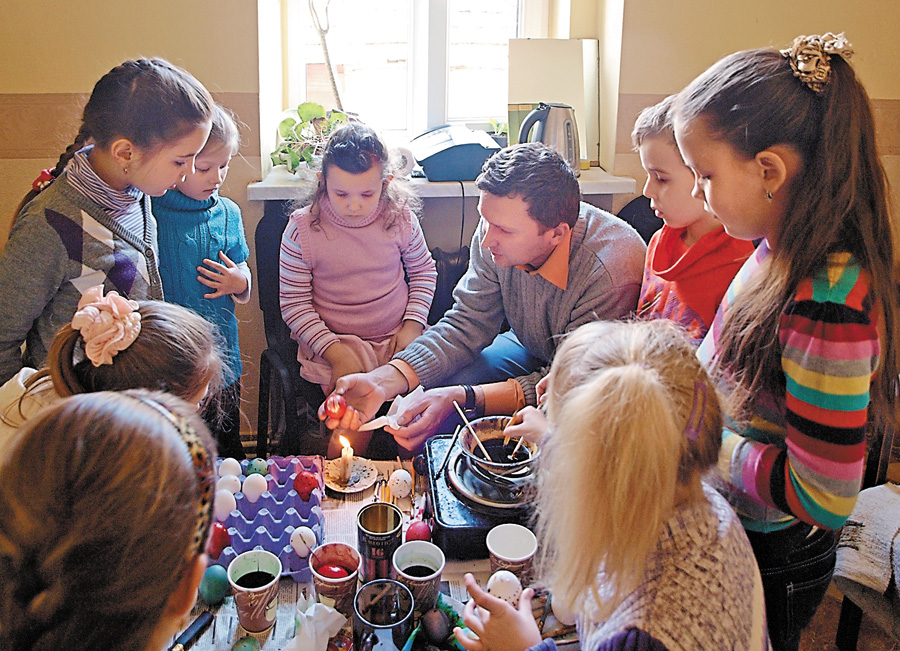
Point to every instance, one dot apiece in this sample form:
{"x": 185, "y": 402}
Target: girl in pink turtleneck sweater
{"x": 356, "y": 277}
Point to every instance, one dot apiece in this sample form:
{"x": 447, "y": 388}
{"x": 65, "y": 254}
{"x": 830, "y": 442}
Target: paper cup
{"x": 382, "y": 616}
{"x": 380, "y": 532}
{"x": 512, "y": 547}
{"x": 336, "y": 592}
{"x": 418, "y": 565}
{"x": 254, "y": 576}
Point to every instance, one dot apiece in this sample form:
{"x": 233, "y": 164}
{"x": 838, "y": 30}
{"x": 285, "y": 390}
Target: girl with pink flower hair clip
{"x": 114, "y": 344}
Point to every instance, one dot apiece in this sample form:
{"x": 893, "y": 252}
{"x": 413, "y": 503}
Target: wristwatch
{"x": 469, "y": 409}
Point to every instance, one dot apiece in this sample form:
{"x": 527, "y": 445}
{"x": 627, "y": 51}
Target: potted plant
{"x": 304, "y": 133}
{"x": 500, "y": 132}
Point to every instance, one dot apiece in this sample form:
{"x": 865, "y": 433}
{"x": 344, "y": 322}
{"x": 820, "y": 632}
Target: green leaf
{"x": 294, "y": 161}
{"x": 335, "y": 117}
{"x": 286, "y": 127}
{"x": 309, "y": 110}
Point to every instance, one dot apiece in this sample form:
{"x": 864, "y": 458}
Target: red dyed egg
{"x": 218, "y": 540}
{"x": 305, "y": 483}
{"x": 418, "y": 530}
{"x": 333, "y": 571}
{"x": 335, "y": 406}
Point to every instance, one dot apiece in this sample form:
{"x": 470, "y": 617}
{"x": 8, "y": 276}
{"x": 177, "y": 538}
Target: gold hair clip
{"x": 810, "y": 57}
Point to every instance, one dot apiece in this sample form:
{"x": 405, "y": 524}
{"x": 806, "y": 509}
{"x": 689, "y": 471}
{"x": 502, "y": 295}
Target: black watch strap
{"x": 470, "y": 402}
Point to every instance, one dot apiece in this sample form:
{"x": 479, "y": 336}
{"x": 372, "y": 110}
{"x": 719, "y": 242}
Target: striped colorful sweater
{"x": 801, "y": 456}
{"x": 350, "y": 277}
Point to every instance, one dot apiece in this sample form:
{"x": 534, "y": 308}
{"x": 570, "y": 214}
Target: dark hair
{"x": 539, "y": 176}
{"x": 224, "y": 129}
{"x": 653, "y": 122}
{"x": 99, "y": 500}
{"x": 356, "y": 148}
{"x": 176, "y": 351}
{"x": 147, "y": 101}
{"x": 838, "y": 202}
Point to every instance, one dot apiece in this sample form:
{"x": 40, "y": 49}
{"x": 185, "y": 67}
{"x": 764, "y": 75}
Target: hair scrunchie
{"x": 108, "y": 324}
{"x": 810, "y": 57}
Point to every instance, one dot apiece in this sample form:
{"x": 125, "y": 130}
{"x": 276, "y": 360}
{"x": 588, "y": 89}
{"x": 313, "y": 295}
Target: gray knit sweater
{"x": 61, "y": 245}
{"x": 606, "y": 262}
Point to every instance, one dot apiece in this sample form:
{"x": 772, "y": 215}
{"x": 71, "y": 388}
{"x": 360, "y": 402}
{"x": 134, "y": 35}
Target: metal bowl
{"x": 490, "y": 430}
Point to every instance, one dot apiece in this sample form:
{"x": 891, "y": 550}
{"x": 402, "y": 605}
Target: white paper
{"x": 398, "y": 406}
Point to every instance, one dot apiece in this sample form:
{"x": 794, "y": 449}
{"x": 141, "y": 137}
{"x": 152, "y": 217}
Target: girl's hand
{"x": 226, "y": 279}
{"x": 529, "y": 423}
{"x": 503, "y": 628}
{"x": 405, "y": 335}
{"x": 541, "y": 390}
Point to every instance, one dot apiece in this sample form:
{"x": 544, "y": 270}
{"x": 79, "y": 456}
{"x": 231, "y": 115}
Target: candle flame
{"x": 344, "y": 441}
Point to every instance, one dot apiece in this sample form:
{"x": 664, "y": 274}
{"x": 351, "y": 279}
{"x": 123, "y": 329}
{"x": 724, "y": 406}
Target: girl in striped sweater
{"x": 782, "y": 145}
{"x": 356, "y": 277}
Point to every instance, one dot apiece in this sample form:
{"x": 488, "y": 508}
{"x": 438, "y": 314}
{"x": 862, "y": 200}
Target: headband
{"x": 810, "y": 57}
{"x": 203, "y": 469}
{"x": 108, "y": 324}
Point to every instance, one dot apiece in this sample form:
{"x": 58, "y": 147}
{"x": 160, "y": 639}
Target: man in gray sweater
{"x": 540, "y": 260}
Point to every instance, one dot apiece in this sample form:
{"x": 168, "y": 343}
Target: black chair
{"x": 641, "y": 217}
{"x": 287, "y": 402}
{"x": 878, "y": 458}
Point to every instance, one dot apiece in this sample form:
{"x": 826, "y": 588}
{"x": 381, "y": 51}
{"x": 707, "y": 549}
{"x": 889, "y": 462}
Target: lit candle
{"x": 346, "y": 464}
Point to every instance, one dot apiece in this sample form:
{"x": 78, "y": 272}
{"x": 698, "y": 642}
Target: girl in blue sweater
{"x": 203, "y": 264}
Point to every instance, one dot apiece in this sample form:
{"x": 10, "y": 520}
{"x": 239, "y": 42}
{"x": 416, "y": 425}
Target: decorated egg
{"x": 214, "y": 585}
{"x": 335, "y": 406}
{"x": 436, "y": 624}
{"x": 230, "y": 466}
{"x": 254, "y": 486}
{"x": 400, "y": 483}
{"x": 303, "y": 541}
{"x": 418, "y": 530}
{"x": 505, "y": 585}
{"x": 257, "y": 466}
{"x": 305, "y": 483}
{"x": 231, "y": 483}
{"x": 223, "y": 504}
{"x": 246, "y": 643}
{"x": 219, "y": 539}
{"x": 333, "y": 571}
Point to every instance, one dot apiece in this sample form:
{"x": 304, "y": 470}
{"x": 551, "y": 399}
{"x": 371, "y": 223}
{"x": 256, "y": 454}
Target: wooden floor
{"x": 819, "y": 636}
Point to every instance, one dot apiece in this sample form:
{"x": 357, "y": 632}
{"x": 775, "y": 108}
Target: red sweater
{"x": 686, "y": 284}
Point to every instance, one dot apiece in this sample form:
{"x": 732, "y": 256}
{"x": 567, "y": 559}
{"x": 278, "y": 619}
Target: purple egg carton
{"x": 269, "y": 523}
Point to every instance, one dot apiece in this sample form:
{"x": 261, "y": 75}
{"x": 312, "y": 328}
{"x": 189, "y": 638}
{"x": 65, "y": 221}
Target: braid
{"x": 80, "y": 139}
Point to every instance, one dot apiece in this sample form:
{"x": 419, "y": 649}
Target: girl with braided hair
{"x": 89, "y": 221}
{"x": 105, "y": 508}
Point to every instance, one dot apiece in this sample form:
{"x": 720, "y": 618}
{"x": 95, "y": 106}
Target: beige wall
{"x": 51, "y": 54}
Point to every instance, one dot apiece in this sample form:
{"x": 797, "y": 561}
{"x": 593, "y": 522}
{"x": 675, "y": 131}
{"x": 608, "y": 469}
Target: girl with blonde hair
{"x": 630, "y": 538}
{"x": 105, "y": 507}
{"x": 113, "y": 344}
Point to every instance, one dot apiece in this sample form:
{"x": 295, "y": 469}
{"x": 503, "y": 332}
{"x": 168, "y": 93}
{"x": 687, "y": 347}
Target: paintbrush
{"x": 462, "y": 414}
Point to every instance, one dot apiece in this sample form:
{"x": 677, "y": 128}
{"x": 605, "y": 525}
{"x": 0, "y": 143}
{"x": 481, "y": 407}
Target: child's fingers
{"x": 224, "y": 258}
{"x": 211, "y": 283}
{"x": 220, "y": 268}
{"x": 466, "y": 641}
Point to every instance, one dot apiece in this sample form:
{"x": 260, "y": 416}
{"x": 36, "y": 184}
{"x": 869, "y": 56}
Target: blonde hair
{"x": 224, "y": 130}
{"x": 177, "y": 351}
{"x": 635, "y": 416}
{"x": 654, "y": 122}
{"x": 99, "y": 509}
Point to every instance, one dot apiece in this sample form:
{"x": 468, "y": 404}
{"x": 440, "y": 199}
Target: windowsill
{"x": 281, "y": 185}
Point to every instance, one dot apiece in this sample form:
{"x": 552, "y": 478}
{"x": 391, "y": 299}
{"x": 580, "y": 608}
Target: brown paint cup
{"x": 256, "y": 602}
{"x": 380, "y": 532}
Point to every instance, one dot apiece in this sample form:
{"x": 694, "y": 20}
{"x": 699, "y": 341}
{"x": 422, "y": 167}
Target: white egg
{"x": 565, "y": 616}
{"x": 505, "y": 585}
{"x": 400, "y": 483}
{"x": 230, "y": 466}
{"x": 254, "y": 486}
{"x": 230, "y": 483}
{"x": 224, "y": 504}
{"x": 303, "y": 541}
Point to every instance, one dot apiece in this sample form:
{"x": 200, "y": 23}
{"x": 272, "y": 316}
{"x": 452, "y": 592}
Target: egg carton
{"x": 269, "y": 523}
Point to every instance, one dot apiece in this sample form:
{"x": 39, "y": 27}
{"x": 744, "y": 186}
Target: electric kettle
{"x": 554, "y": 125}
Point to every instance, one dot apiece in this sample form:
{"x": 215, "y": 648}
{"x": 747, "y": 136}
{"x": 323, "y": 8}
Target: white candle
{"x": 346, "y": 463}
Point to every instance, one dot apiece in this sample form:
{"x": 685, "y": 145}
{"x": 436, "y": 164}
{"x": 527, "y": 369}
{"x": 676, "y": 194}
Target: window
{"x": 407, "y": 65}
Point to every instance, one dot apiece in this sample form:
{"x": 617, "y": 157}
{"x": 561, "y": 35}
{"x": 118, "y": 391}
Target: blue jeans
{"x": 796, "y": 568}
{"x": 504, "y": 358}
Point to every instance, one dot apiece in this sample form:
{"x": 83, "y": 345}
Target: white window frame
{"x": 427, "y": 57}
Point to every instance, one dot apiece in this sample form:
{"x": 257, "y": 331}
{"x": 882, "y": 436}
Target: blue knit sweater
{"x": 189, "y": 231}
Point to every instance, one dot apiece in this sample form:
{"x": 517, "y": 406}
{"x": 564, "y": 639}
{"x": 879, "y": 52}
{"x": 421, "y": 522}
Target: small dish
{"x": 362, "y": 475}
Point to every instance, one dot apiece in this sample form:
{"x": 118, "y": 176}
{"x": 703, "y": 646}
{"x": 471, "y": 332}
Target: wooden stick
{"x": 449, "y": 451}
{"x": 512, "y": 456}
{"x": 462, "y": 414}
{"x": 512, "y": 419}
